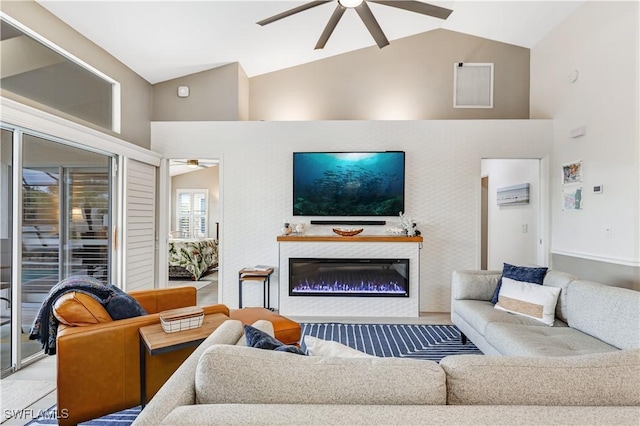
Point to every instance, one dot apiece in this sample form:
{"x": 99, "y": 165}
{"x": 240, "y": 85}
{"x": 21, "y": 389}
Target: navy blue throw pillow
{"x": 519, "y": 273}
{"x": 259, "y": 339}
{"x": 121, "y": 306}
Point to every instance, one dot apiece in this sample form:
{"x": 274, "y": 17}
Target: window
{"x": 192, "y": 213}
{"x": 34, "y": 68}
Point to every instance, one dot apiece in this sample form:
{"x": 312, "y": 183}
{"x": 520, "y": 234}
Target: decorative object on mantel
{"x": 347, "y": 232}
{"x": 408, "y": 225}
{"x": 181, "y": 319}
{"x": 286, "y": 229}
{"x": 398, "y": 230}
{"x": 300, "y": 228}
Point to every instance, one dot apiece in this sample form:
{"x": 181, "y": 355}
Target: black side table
{"x": 249, "y": 274}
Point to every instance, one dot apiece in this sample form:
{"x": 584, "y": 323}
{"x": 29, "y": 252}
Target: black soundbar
{"x": 348, "y": 222}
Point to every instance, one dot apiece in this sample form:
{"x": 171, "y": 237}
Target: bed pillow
{"x": 319, "y": 347}
{"x": 530, "y": 300}
{"x": 259, "y": 339}
{"x": 519, "y": 273}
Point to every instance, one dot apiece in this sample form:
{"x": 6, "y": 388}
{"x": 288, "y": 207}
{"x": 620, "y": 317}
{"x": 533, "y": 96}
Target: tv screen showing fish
{"x": 348, "y": 183}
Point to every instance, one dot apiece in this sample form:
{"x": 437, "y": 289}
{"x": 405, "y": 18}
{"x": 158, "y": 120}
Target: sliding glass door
{"x": 6, "y": 241}
{"x": 65, "y": 199}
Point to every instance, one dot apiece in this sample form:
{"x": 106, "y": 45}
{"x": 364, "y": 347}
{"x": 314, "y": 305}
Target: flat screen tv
{"x": 348, "y": 183}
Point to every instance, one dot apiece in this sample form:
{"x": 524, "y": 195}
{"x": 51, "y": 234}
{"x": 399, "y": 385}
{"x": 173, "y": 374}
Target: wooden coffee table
{"x": 154, "y": 340}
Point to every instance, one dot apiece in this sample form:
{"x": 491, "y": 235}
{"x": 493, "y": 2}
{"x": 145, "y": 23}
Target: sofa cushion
{"x": 236, "y": 374}
{"x": 596, "y": 379}
{"x": 319, "y": 347}
{"x": 416, "y": 415}
{"x": 534, "y": 275}
{"x": 611, "y": 314}
{"x": 474, "y": 285}
{"x": 78, "y": 309}
{"x": 531, "y": 300}
{"x": 560, "y": 280}
{"x": 481, "y": 313}
{"x": 524, "y": 340}
{"x": 259, "y": 339}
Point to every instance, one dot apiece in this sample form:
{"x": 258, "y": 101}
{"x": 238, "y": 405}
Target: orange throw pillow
{"x": 79, "y": 309}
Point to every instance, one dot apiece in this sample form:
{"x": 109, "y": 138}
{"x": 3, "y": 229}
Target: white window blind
{"x": 192, "y": 213}
{"x": 140, "y": 208}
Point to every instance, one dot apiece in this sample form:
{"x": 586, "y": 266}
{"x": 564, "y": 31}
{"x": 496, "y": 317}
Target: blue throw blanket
{"x": 45, "y": 325}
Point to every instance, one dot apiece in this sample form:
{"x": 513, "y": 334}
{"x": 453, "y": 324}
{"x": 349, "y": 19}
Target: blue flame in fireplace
{"x": 323, "y": 277}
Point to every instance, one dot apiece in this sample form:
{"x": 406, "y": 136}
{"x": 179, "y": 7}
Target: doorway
{"x": 194, "y": 225}
{"x": 510, "y": 232}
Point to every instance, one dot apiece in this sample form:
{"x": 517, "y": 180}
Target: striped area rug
{"x": 121, "y": 418}
{"x": 420, "y": 341}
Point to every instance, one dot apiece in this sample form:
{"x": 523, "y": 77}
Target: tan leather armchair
{"x": 98, "y": 365}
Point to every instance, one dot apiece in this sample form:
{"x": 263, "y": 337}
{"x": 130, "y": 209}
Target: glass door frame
{"x": 18, "y": 134}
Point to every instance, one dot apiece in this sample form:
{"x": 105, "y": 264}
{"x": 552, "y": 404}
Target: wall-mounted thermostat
{"x": 183, "y": 91}
{"x": 597, "y": 189}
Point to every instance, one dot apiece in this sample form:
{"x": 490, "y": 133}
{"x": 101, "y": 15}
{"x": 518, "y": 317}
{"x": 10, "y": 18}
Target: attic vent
{"x": 472, "y": 85}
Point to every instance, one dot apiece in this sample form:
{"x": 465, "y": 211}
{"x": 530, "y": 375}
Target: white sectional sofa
{"x": 589, "y": 317}
{"x": 225, "y": 384}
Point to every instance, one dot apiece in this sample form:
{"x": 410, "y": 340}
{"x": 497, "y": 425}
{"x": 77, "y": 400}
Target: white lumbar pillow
{"x": 319, "y": 347}
{"x": 530, "y": 300}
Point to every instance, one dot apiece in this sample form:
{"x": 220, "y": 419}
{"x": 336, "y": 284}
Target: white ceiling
{"x": 179, "y": 166}
{"x": 161, "y": 40}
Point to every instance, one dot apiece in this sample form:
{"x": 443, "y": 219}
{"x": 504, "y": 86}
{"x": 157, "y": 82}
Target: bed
{"x": 192, "y": 258}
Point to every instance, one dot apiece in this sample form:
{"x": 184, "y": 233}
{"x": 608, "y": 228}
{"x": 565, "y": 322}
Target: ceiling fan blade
{"x": 293, "y": 11}
{"x": 331, "y": 25}
{"x": 372, "y": 25}
{"x": 418, "y": 7}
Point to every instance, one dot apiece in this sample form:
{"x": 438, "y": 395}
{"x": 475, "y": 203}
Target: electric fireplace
{"x": 349, "y": 277}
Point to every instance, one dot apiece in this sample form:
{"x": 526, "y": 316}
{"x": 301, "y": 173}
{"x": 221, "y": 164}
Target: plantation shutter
{"x": 192, "y": 213}
{"x": 40, "y": 226}
{"x": 139, "y": 238}
{"x": 184, "y": 214}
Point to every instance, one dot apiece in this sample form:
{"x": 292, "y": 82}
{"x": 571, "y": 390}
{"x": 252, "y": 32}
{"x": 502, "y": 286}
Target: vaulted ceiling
{"x": 161, "y": 40}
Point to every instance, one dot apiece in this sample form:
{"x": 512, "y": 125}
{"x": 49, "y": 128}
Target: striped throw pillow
{"x": 531, "y": 300}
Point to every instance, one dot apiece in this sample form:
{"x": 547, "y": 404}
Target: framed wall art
{"x": 572, "y": 198}
{"x": 572, "y": 173}
{"x": 513, "y": 195}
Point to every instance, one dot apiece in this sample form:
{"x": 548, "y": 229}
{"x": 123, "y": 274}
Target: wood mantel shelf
{"x": 356, "y": 238}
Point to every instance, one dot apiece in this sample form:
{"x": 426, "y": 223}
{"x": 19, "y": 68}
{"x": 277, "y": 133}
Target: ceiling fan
{"x": 365, "y": 14}
{"x": 193, "y": 164}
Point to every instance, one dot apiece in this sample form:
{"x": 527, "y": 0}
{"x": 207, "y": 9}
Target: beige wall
{"x": 136, "y": 92}
{"x": 214, "y": 95}
{"x": 243, "y": 95}
{"x": 411, "y": 79}
{"x": 601, "y": 41}
{"x": 443, "y": 165}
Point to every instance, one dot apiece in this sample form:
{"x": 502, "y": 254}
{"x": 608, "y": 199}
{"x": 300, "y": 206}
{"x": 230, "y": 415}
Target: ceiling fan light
{"x": 192, "y": 164}
{"x": 350, "y": 3}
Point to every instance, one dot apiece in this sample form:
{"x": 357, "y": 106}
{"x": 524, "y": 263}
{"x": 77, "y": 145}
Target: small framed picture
{"x": 572, "y": 198}
{"x": 572, "y": 173}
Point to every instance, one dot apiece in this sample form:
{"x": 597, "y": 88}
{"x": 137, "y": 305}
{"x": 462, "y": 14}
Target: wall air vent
{"x": 472, "y": 85}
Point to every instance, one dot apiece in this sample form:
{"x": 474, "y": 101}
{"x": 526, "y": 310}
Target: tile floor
{"x": 45, "y": 369}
